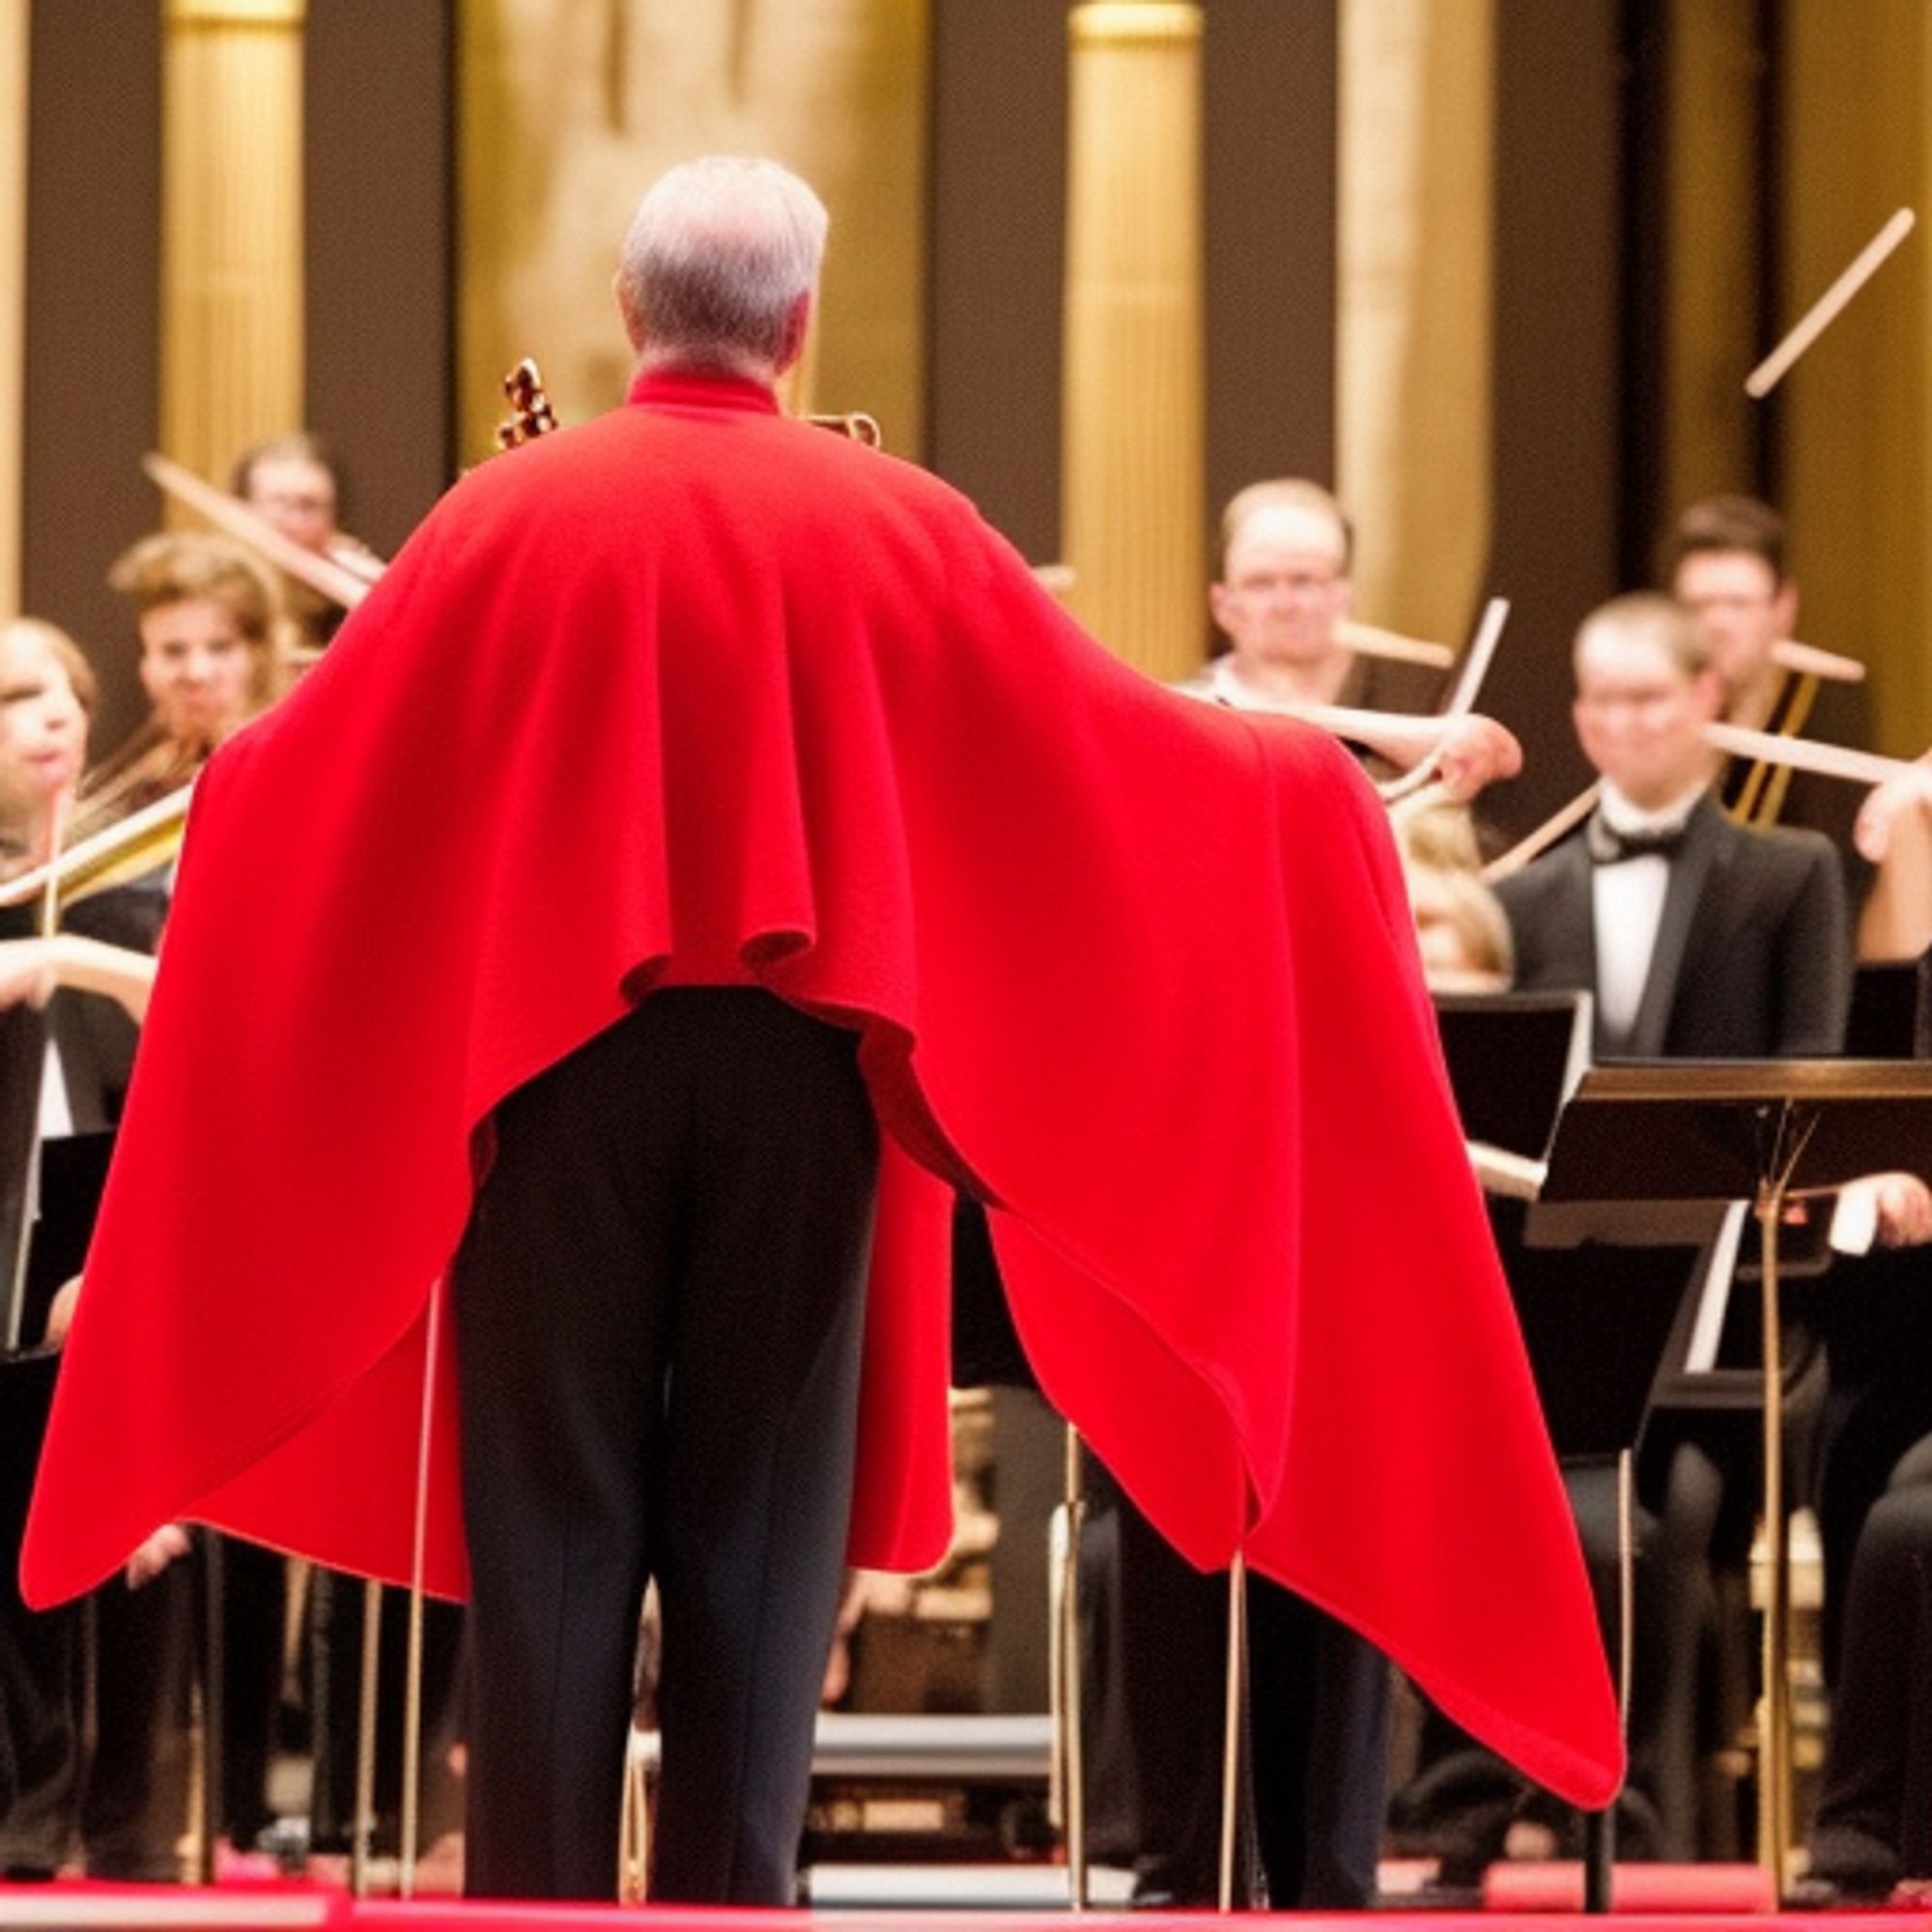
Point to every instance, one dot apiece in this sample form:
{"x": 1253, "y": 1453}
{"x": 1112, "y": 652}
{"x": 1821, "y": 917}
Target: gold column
{"x": 566, "y": 115}
{"x": 231, "y": 226}
{"x": 1416, "y": 249}
{"x": 14, "y": 54}
{"x": 1855, "y": 413}
{"x": 1133, "y": 471}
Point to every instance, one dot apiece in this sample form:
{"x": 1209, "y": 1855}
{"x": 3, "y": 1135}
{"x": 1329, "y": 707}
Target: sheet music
{"x": 1855, "y": 1217}
{"x": 1714, "y": 1292}
{"x": 1582, "y": 1030}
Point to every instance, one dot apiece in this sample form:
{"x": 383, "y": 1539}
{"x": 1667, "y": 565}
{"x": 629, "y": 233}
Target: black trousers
{"x": 39, "y": 1652}
{"x": 1874, "y": 1822}
{"x": 1317, "y": 1736}
{"x": 659, "y": 1305}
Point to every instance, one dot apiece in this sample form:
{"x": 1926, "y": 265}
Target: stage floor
{"x": 286, "y": 1908}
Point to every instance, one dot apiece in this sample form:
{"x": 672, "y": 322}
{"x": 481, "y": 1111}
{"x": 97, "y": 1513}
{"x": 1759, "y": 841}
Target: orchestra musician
{"x": 214, "y": 652}
{"x": 120, "y": 1784}
{"x": 1695, "y": 937}
{"x": 1724, "y": 561}
{"x": 292, "y": 482}
{"x": 1282, "y": 602}
{"x": 1317, "y": 1694}
{"x": 654, "y": 741}
{"x": 1871, "y": 1831}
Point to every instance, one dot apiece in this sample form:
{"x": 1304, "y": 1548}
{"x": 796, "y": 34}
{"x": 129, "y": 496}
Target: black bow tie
{"x": 1609, "y": 847}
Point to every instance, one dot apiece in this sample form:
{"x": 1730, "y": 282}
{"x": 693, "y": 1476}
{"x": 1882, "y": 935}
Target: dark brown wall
{"x": 378, "y": 84}
{"x": 999, "y": 184}
{"x": 92, "y": 322}
{"x": 1271, "y": 75}
{"x": 1558, "y": 501}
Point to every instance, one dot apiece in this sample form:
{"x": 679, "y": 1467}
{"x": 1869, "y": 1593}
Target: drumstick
{"x": 1822, "y": 313}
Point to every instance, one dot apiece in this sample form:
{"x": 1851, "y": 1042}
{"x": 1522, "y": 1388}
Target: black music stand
{"x": 1891, "y": 1010}
{"x": 1767, "y": 1132}
{"x": 1594, "y": 1322}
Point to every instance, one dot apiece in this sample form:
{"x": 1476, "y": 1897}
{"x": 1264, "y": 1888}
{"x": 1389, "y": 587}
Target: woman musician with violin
{"x": 65, "y": 1067}
{"x": 74, "y": 987}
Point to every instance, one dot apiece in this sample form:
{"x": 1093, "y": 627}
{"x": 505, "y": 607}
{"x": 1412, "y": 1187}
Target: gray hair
{"x": 717, "y": 257}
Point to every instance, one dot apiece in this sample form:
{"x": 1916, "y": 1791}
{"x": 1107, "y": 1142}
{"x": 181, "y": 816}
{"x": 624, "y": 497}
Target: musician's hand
{"x": 1899, "y": 798}
{"x": 60, "y": 1314}
{"x": 27, "y": 971}
{"x": 167, "y": 1543}
{"x": 1904, "y": 1210}
{"x": 1476, "y": 751}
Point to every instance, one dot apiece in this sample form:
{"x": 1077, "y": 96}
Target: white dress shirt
{"x": 1628, "y": 905}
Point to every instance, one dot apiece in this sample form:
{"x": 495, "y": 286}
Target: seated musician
{"x": 214, "y": 651}
{"x": 1724, "y": 561}
{"x": 1282, "y": 602}
{"x": 1697, "y": 937}
{"x": 1318, "y": 1699}
{"x": 46, "y": 698}
{"x": 124, "y": 1787}
{"x": 1283, "y": 595}
{"x": 1872, "y": 1829}
{"x": 1461, "y": 928}
{"x": 292, "y": 483}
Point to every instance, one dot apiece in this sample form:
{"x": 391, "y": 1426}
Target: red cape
{"x": 695, "y": 694}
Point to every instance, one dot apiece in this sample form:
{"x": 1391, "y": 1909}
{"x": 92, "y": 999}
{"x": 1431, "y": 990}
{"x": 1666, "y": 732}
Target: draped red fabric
{"x": 697, "y": 695}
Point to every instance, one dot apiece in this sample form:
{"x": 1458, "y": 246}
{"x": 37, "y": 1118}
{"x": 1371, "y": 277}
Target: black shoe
{"x": 1848, "y": 1867}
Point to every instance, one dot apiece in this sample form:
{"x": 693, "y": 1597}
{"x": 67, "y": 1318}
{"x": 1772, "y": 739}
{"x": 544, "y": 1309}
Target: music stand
{"x": 1767, "y": 1132}
{"x": 1593, "y": 1325}
{"x": 1891, "y": 1010}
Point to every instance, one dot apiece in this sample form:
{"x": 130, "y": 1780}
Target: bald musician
{"x": 1318, "y": 1696}
{"x": 1281, "y": 602}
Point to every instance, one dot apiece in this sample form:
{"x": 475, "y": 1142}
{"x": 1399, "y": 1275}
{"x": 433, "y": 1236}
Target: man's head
{"x": 210, "y": 621}
{"x": 1645, "y": 689}
{"x": 1724, "y": 563}
{"x": 290, "y": 481}
{"x": 1284, "y": 585}
{"x": 719, "y": 267}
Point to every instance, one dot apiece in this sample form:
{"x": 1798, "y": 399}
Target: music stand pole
{"x": 1237, "y": 1711}
{"x": 1069, "y": 1682}
{"x": 1792, "y": 1131}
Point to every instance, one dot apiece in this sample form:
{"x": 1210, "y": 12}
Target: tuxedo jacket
{"x": 1752, "y": 957}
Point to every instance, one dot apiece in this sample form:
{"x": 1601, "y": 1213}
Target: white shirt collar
{"x": 1621, "y": 815}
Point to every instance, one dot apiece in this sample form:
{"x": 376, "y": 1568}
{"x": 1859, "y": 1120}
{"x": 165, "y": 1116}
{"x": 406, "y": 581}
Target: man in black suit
{"x": 1697, "y": 938}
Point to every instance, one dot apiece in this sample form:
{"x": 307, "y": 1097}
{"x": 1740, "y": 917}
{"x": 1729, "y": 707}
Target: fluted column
{"x": 231, "y": 226}
{"x": 13, "y": 50}
{"x": 1416, "y": 248}
{"x": 1132, "y": 514}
